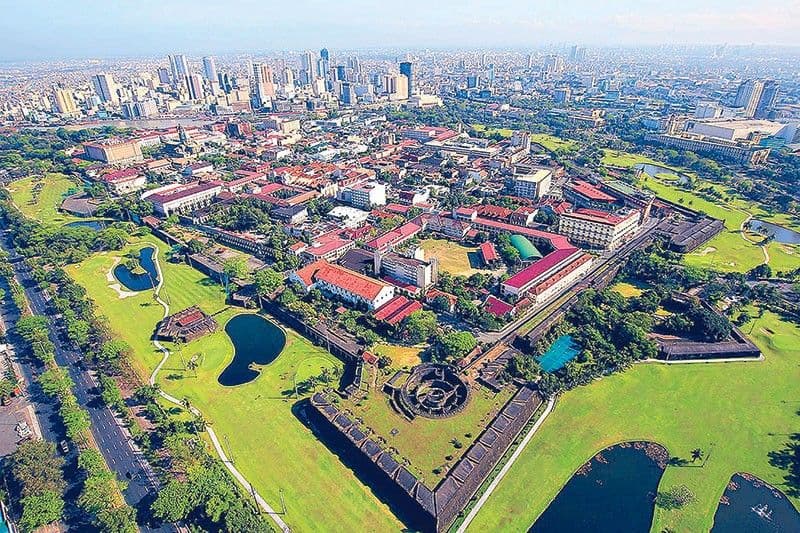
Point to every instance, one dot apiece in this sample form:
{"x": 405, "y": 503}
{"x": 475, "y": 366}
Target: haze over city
{"x": 87, "y": 28}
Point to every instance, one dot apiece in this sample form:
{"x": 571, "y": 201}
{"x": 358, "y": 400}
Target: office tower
{"x": 341, "y": 75}
{"x": 748, "y": 96}
{"x": 354, "y": 63}
{"x": 179, "y": 67}
{"x": 146, "y": 108}
{"x": 163, "y": 75}
{"x": 562, "y": 95}
{"x": 553, "y": 64}
{"x": 483, "y": 60}
{"x": 288, "y": 77}
{"x": 766, "y": 101}
{"x": 195, "y": 86}
{"x": 106, "y": 88}
{"x": 262, "y": 89}
{"x": 325, "y": 64}
{"x": 407, "y": 70}
{"x": 65, "y": 103}
{"x": 325, "y": 55}
{"x": 580, "y": 55}
{"x": 530, "y": 60}
{"x": 309, "y": 67}
{"x": 224, "y": 82}
{"x": 472, "y": 82}
{"x": 210, "y": 68}
{"x": 347, "y": 95}
{"x": 490, "y": 74}
{"x": 573, "y": 53}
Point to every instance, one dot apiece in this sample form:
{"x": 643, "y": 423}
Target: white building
{"x": 364, "y": 195}
{"x": 343, "y": 284}
{"x": 180, "y": 198}
{"x": 532, "y": 184}
{"x": 597, "y": 229}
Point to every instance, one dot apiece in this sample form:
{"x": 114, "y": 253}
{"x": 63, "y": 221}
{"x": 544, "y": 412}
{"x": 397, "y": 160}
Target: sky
{"x": 58, "y": 29}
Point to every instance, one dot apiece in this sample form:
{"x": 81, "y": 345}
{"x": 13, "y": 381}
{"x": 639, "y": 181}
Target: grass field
{"x": 427, "y": 442}
{"x": 44, "y": 207}
{"x": 628, "y": 290}
{"x": 255, "y": 422}
{"x": 551, "y": 142}
{"x": 504, "y": 132}
{"x": 401, "y": 356}
{"x": 737, "y": 413}
{"x": 616, "y": 158}
{"x": 453, "y": 257}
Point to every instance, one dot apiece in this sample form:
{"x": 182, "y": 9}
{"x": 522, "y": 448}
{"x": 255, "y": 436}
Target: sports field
{"x": 737, "y": 413}
{"x": 454, "y": 258}
{"x": 255, "y": 422}
{"x": 43, "y": 205}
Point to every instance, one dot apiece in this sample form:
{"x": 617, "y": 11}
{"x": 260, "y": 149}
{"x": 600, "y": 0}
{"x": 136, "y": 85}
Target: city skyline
{"x": 45, "y": 30}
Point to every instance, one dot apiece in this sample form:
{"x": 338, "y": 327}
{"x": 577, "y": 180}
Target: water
{"x": 559, "y": 354}
{"x": 139, "y": 282}
{"x": 614, "y": 492}
{"x": 746, "y": 495}
{"x": 654, "y": 170}
{"x": 95, "y": 225}
{"x": 784, "y": 235}
{"x": 256, "y": 341}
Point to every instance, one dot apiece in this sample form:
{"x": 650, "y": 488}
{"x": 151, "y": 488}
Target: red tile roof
{"x": 395, "y": 236}
{"x": 488, "y": 252}
{"x": 595, "y": 215}
{"x": 590, "y": 191}
{"x": 497, "y": 307}
{"x": 120, "y": 175}
{"x": 396, "y": 309}
{"x": 341, "y": 277}
{"x": 529, "y": 274}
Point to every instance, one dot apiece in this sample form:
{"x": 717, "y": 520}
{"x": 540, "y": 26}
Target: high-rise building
{"x": 472, "y": 82}
{"x": 210, "y": 68}
{"x": 195, "y": 86}
{"x": 65, "y": 103}
{"x": 163, "y": 75}
{"x": 262, "y": 89}
{"x": 553, "y": 64}
{"x": 748, "y": 96}
{"x": 354, "y": 63}
{"x": 407, "y": 70}
{"x": 766, "y": 101}
{"x": 309, "y": 67}
{"x": 347, "y": 94}
{"x": 179, "y": 67}
{"x": 106, "y": 88}
{"x": 562, "y": 95}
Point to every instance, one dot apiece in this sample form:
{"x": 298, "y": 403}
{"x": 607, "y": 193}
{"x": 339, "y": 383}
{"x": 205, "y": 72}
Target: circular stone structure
{"x": 434, "y": 390}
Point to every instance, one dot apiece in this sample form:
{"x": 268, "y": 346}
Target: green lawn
{"x": 255, "y": 422}
{"x": 401, "y": 356}
{"x": 736, "y": 412}
{"x": 551, "y": 142}
{"x": 453, "y": 257}
{"x": 426, "y": 442}
{"x": 43, "y": 207}
{"x": 617, "y": 158}
{"x": 628, "y": 290}
{"x": 504, "y": 132}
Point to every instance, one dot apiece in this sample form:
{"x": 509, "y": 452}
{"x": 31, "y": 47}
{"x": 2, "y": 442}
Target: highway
{"x": 113, "y": 439}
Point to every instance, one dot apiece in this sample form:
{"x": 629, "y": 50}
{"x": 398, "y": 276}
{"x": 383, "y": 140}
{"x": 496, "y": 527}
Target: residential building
{"x": 365, "y": 194}
{"x": 65, "y": 103}
{"x": 106, "y": 88}
{"x": 412, "y": 270}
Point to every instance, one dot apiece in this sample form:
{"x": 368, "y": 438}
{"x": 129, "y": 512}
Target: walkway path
{"x": 743, "y": 233}
{"x": 211, "y": 433}
{"x": 511, "y": 460}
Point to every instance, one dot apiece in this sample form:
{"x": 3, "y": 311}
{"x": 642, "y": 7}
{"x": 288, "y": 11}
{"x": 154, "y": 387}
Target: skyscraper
{"x": 309, "y": 67}
{"x": 766, "y": 101}
{"x": 106, "y": 88}
{"x": 407, "y": 70}
{"x": 210, "y": 68}
{"x": 195, "y": 86}
{"x": 262, "y": 89}
{"x": 179, "y": 67}
{"x": 65, "y": 103}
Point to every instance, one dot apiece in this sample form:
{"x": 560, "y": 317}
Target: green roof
{"x": 525, "y": 247}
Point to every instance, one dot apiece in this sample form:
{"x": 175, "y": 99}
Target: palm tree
{"x": 697, "y": 454}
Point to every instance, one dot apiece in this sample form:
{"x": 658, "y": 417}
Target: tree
{"x": 697, "y": 454}
{"x": 420, "y": 325}
{"x": 112, "y": 353}
{"x": 267, "y": 281}
{"x": 457, "y": 344}
{"x": 37, "y": 468}
{"x": 120, "y": 519}
{"x": 675, "y": 498}
{"x": 195, "y": 246}
{"x": 40, "y": 509}
{"x": 99, "y": 493}
{"x": 524, "y": 367}
{"x": 174, "y": 502}
{"x": 56, "y": 382}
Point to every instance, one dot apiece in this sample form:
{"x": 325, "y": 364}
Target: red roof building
{"x": 488, "y": 253}
{"x": 343, "y": 283}
{"x": 396, "y": 310}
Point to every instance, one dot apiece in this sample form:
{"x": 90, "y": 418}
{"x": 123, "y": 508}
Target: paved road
{"x": 115, "y": 443}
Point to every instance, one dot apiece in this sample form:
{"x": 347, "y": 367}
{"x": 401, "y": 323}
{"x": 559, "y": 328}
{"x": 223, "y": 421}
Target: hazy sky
{"x": 41, "y": 29}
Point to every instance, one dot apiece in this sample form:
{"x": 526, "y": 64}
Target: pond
{"x": 654, "y": 170}
{"x": 256, "y": 341}
{"x": 750, "y": 505}
{"x": 95, "y": 225}
{"x": 559, "y": 354}
{"x": 781, "y": 234}
{"x": 134, "y": 281}
{"x": 614, "y": 491}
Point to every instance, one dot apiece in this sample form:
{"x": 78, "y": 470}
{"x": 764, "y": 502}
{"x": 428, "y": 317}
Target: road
{"x": 113, "y": 439}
